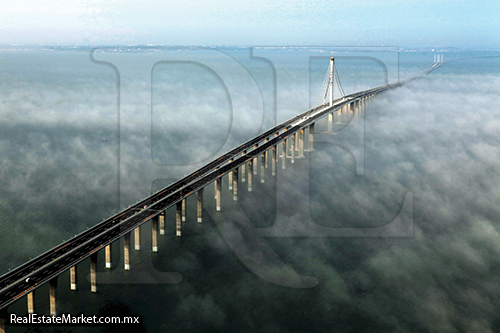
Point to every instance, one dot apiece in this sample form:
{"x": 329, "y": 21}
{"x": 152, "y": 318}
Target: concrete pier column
{"x": 137, "y": 238}
{"x": 311, "y": 137}
{"x": 3, "y": 317}
{"x": 330, "y": 122}
{"x": 199, "y": 205}
{"x": 178, "y": 223}
{"x": 235, "y": 184}
{"x": 31, "y": 302}
{"x": 297, "y": 139}
{"x": 292, "y": 150}
{"x": 126, "y": 251}
{"x": 93, "y": 277}
{"x": 262, "y": 167}
{"x": 162, "y": 223}
{"x": 154, "y": 234}
{"x": 184, "y": 210}
{"x": 351, "y": 107}
{"x": 283, "y": 155}
{"x": 108, "y": 256}
{"x": 250, "y": 172}
{"x": 275, "y": 148}
{"x": 52, "y": 296}
{"x": 301, "y": 143}
{"x": 243, "y": 169}
{"x": 338, "y": 116}
{"x": 267, "y": 155}
{"x": 255, "y": 163}
{"x": 72, "y": 278}
{"x": 230, "y": 177}
{"x": 218, "y": 198}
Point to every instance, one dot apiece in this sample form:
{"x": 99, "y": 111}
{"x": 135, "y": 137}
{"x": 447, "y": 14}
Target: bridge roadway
{"x": 31, "y": 275}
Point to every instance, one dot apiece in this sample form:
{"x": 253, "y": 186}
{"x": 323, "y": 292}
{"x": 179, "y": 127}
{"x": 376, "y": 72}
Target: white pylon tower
{"x": 332, "y": 66}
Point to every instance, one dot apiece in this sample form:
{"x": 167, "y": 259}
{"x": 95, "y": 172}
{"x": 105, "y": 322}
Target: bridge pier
{"x": 126, "y": 251}
{"x": 311, "y": 137}
{"x": 292, "y": 150}
{"x": 275, "y": 148}
{"x": 255, "y": 162}
{"x": 243, "y": 168}
{"x": 108, "y": 256}
{"x": 330, "y": 122}
{"x": 154, "y": 234}
{"x": 72, "y": 277}
{"x": 52, "y": 295}
{"x": 230, "y": 175}
{"x": 301, "y": 143}
{"x": 3, "y": 316}
{"x": 31, "y": 302}
{"x": 250, "y": 172}
{"x": 217, "y": 194}
{"x": 162, "y": 223}
{"x": 93, "y": 277}
{"x": 338, "y": 116}
{"x": 283, "y": 154}
{"x": 200, "y": 205}
{"x": 184, "y": 210}
{"x": 137, "y": 238}
{"x": 235, "y": 184}
{"x": 266, "y": 154}
{"x": 178, "y": 223}
{"x": 263, "y": 167}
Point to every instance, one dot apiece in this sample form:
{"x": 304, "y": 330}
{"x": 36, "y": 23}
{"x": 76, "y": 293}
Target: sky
{"x": 464, "y": 24}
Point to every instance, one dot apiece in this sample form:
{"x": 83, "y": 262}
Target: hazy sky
{"x": 422, "y": 23}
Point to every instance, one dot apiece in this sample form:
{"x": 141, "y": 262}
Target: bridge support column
{"x": 267, "y": 155}
{"x": 235, "y": 184}
{"x": 200, "y": 205}
{"x": 275, "y": 148}
{"x": 230, "y": 175}
{"x": 184, "y": 210}
{"x": 52, "y": 295}
{"x": 330, "y": 122}
{"x": 31, "y": 302}
{"x": 250, "y": 172}
{"x": 255, "y": 163}
{"x": 93, "y": 277}
{"x": 218, "y": 198}
{"x": 262, "y": 167}
{"x": 126, "y": 251}
{"x": 337, "y": 114}
{"x": 311, "y": 137}
{"x": 137, "y": 238}
{"x": 283, "y": 154}
{"x": 243, "y": 169}
{"x": 301, "y": 143}
{"x": 154, "y": 234}
{"x": 292, "y": 150}
{"x": 72, "y": 278}
{"x": 3, "y": 316}
{"x": 108, "y": 256}
{"x": 162, "y": 223}
{"x": 178, "y": 222}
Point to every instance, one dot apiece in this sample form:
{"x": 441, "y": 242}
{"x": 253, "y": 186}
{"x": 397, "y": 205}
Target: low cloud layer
{"x": 436, "y": 138}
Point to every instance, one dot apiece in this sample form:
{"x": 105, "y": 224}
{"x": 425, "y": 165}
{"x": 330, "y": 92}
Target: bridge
{"x": 287, "y": 138}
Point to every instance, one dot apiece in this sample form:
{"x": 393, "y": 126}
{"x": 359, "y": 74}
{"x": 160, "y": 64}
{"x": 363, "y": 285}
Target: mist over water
{"x": 62, "y": 169}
